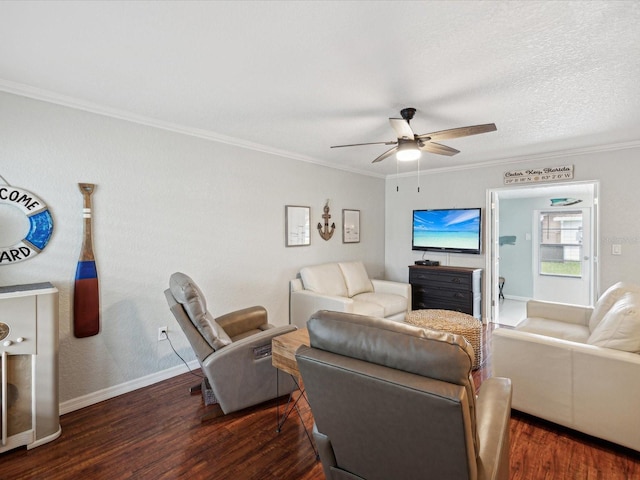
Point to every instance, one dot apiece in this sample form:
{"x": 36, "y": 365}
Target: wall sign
{"x": 536, "y": 175}
{"x": 40, "y": 225}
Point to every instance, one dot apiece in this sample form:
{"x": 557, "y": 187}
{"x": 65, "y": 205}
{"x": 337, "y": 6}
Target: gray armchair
{"x": 392, "y": 400}
{"x": 234, "y": 350}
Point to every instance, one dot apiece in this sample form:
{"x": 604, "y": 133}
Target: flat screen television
{"x": 453, "y": 230}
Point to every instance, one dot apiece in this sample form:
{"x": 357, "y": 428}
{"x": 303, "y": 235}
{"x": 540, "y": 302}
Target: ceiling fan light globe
{"x": 408, "y": 153}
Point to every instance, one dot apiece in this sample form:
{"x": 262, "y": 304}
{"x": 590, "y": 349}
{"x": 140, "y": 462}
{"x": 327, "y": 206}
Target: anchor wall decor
{"x": 325, "y": 233}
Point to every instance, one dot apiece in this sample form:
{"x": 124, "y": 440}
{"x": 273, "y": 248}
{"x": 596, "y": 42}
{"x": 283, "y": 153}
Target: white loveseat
{"x": 346, "y": 287}
{"x": 578, "y": 366}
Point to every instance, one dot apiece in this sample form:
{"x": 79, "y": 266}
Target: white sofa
{"x": 578, "y": 366}
{"x": 345, "y": 287}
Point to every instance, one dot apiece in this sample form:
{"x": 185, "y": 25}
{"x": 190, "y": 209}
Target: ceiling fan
{"x": 409, "y": 146}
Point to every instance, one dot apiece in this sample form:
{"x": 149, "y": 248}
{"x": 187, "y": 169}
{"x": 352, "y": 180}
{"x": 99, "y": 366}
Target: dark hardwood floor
{"x": 156, "y": 433}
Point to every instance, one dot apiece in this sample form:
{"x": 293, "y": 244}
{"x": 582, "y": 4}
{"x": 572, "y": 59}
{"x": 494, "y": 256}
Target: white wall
{"x": 167, "y": 202}
{"x": 444, "y": 190}
{"x": 617, "y": 169}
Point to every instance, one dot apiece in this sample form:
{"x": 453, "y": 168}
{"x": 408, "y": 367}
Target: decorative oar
{"x": 86, "y": 297}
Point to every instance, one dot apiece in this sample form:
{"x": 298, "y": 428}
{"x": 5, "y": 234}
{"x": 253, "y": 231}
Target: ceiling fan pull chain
{"x": 397, "y": 187}
{"x": 418, "y": 175}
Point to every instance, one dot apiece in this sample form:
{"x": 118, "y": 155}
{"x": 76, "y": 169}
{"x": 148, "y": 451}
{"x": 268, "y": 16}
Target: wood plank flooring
{"x": 156, "y": 433}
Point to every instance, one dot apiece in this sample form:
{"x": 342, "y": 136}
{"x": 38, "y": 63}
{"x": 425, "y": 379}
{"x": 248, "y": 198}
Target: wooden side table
{"x": 283, "y": 357}
{"x": 283, "y": 350}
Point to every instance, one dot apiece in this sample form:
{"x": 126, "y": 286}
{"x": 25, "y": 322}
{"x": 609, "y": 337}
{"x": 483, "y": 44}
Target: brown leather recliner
{"x": 234, "y": 350}
{"x": 392, "y": 400}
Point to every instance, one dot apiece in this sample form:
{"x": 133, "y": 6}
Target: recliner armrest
{"x": 240, "y": 321}
{"x": 241, "y": 376}
{"x": 493, "y": 411}
{"x": 229, "y": 361}
{"x": 563, "y": 312}
{"x": 325, "y": 452}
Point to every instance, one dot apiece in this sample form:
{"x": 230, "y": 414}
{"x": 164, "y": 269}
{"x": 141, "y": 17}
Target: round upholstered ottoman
{"x": 452, "y": 322}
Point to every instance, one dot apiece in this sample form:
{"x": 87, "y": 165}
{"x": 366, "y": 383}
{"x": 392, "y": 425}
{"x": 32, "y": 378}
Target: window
{"x": 561, "y": 243}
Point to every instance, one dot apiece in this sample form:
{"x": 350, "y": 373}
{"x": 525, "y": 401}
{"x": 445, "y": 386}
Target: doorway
{"x": 542, "y": 241}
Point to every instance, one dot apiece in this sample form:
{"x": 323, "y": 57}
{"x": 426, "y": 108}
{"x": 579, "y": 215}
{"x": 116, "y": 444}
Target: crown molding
{"x": 77, "y": 104}
{"x": 72, "y": 102}
{"x": 524, "y": 158}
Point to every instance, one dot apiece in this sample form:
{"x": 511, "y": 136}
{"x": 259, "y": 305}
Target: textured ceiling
{"x": 296, "y": 77}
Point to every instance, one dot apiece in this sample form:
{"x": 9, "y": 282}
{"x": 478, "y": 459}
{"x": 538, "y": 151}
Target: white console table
{"x": 29, "y": 365}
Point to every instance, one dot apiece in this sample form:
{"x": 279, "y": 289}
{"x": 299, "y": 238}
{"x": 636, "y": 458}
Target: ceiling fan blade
{"x": 432, "y": 147}
{"x": 402, "y": 128}
{"x": 359, "y": 144}
{"x": 386, "y": 154}
{"x": 458, "y": 132}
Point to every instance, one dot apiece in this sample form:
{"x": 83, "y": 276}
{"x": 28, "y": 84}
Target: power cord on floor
{"x": 166, "y": 334}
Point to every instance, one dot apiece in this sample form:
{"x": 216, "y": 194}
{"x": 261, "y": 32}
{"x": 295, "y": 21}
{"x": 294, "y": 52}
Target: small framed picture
{"x": 350, "y": 226}
{"x": 296, "y": 225}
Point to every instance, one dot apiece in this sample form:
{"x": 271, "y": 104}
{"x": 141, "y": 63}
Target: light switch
{"x": 616, "y": 249}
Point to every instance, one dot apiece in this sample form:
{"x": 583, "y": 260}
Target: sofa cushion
{"x": 356, "y": 278}
{"x": 392, "y": 304}
{"x": 368, "y": 308}
{"x": 189, "y": 295}
{"x": 554, "y": 328}
{"x": 620, "y": 327}
{"x": 326, "y": 279}
{"x": 607, "y": 299}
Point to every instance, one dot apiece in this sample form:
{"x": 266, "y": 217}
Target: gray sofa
{"x": 394, "y": 401}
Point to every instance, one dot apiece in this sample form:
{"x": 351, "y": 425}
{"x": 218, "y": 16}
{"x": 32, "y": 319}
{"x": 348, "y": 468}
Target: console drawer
{"x": 442, "y": 294}
{"x": 444, "y": 281}
{"x": 446, "y": 288}
{"x": 443, "y": 305}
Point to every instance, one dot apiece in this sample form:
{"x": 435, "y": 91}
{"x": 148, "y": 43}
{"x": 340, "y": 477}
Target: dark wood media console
{"x": 447, "y": 288}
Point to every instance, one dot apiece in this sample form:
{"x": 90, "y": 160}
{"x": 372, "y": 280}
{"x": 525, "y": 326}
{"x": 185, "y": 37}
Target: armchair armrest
{"x": 240, "y": 321}
{"x": 492, "y": 420}
{"x": 561, "y": 312}
{"x": 395, "y": 288}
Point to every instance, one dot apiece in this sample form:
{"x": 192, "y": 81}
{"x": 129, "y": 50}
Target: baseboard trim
{"x": 515, "y": 297}
{"x": 116, "y": 390}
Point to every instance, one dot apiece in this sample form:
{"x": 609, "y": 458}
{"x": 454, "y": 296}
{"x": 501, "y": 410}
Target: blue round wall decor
{"x": 40, "y": 225}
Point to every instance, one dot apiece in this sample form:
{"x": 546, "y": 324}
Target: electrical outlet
{"x": 162, "y": 333}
